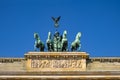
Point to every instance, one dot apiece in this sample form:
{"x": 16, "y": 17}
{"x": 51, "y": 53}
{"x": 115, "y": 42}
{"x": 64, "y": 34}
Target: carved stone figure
{"x": 56, "y": 21}
{"x": 49, "y": 42}
{"x": 64, "y": 43}
{"x": 38, "y": 43}
{"x": 76, "y": 43}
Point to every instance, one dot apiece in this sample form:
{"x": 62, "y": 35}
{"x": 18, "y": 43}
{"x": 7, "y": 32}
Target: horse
{"x": 64, "y": 43}
{"x": 76, "y": 43}
{"x": 49, "y": 42}
{"x": 38, "y": 43}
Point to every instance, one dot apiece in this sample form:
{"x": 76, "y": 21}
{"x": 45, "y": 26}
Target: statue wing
{"x": 58, "y": 18}
{"x": 53, "y": 18}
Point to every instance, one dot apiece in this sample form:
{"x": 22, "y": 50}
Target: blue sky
{"x": 97, "y": 20}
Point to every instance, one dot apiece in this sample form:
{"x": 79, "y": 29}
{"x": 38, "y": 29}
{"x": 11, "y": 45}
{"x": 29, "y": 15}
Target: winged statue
{"x": 56, "y": 20}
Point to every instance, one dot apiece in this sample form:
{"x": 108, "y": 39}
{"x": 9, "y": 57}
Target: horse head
{"x": 78, "y": 35}
{"x": 49, "y": 35}
{"x": 76, "y": 44}
{"x": 38, "y": 43}
{"x": 65, "y": 33}
{"x": 36, "y": 36}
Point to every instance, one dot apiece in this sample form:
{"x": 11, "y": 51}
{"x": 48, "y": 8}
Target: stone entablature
{"x": 60, "y": 66}
{"x": 105, "y": 59}
{"x": 83, "y": 75}
{"x": 56, "y": 61}
{"x": 10, "y": 60}
{"x": 63, "y": 59}
{"x": 92, "y": 59}
{"x": 56, "y": 55}
{"x": 103, "y": 64}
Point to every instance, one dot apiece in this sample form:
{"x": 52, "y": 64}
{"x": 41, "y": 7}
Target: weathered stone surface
{"x": 103, "y": 64}
{"x": 12, "y": 64}
{"x": 56, "y": 61}
{"x": 60, "y": 66}
{"x": 83, "y": 75}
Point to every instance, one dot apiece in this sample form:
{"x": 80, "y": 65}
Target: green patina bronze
{"x": 49, "y": 42}
{"x": 76, "y": 45}
{"x": 38, "y": 43}
{"x": 64, "y": 43}
{"x": 57, "y": 42}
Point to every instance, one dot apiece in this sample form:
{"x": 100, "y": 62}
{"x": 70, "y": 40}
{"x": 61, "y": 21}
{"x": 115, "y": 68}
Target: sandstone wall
{"x": 93, "y": 64}
{"x": 103, "y": 64}
{"x": 12, "y": 64}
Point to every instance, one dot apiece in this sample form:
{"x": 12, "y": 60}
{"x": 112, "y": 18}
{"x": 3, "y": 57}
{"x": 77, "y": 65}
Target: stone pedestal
{"x": 56, "y": 61}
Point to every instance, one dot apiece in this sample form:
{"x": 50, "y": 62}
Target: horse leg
{"x": 35, "y": 49}
{"x": 42, "y": 48}
{"x": 72, "y": 48}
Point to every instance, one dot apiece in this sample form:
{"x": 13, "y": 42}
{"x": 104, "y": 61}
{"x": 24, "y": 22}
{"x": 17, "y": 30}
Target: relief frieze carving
{"x": 36, "y": 63}
{"x": 56, "y": 61}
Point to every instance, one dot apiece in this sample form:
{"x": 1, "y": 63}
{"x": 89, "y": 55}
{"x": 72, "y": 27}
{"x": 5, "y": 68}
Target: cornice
{"x": 105, "y": 59}
{"x": 56, "y": 55}
{"x": 6, "y": 60}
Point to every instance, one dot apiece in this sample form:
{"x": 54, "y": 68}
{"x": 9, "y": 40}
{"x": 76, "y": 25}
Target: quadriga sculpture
{"x": 64, "y": 43}
{"x": 49, "y": 42}
{"x": 57, "y": 43}
{"x": 38, "y": 43}
{"x": 76, "y": 43}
